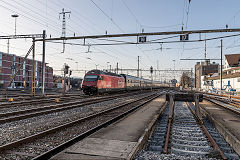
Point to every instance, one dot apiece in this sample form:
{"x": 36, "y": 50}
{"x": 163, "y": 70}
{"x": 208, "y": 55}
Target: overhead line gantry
{"x": 142, "y": 34}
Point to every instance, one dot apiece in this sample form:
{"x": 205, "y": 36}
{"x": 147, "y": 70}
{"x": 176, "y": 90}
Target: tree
{"x": 185, "y": 80}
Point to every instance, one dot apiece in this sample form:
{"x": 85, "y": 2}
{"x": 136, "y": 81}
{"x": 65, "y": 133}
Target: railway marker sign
{"x": 184, "y": 37}
{"x": 142, "y": 39}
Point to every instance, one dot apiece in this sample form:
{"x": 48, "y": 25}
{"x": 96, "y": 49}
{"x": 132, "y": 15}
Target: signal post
{"x": 151, "y": 71}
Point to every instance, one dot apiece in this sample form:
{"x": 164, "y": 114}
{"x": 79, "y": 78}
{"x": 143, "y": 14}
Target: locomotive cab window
{"x": 100, "y": 78}
{"x": 90, "y": 78}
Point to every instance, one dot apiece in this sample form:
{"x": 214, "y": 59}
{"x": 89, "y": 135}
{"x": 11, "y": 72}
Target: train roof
{"x": 103, "y": 72}
{"x": 138, "y": 78}
{"x": 131, "y": 77}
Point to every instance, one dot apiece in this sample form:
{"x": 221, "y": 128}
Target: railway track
{"x": 37, "y": 101}
{"x": 229, "y": 100}
{"x": 21, "y": 97}
{"x": 43, "y": 144}
{"x": 230, "y": 105}
{"x": 19, "y": 113}
{"x": 185, "y": 136}
{"x": 29, "y": 126}
{"x": 219, "y": 139}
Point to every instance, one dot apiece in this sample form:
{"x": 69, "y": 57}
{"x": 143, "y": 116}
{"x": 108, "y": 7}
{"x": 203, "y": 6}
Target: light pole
{"x": 174, "y": 68}
{"x": 221, "y": 69}
{"x": 107, "y": 65}
{"x": 96, "y": 65}
{"x": 77, "y": 65}
{"x": 15, "y": 16}
{"x": 47, "y": 75}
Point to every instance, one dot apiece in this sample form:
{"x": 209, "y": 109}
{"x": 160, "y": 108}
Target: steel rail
{"x": 205, "y": 131}
{"x": 20, "y": 97}
{"x": 223, "y": 95}
{"x": 36, "y": 101}
{"x": 52, "y": 98}
{"x": 52, "y": 109}
{"x": 225, "y": 107}
{"x": 232, "y": 102}
{"x": 70, "y": 124}
{"x": 170, "y": 119}
{"x": 59, "y": 148}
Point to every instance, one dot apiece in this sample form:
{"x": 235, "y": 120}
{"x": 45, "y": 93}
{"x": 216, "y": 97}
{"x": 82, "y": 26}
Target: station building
{"x": 9, "y": 64}
{"x": 203, "y": 69}
{"x": 230, "y": 76}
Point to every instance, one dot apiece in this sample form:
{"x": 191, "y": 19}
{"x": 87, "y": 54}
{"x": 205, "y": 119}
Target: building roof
{"x": 232, "y": 59}
{"x": 232, "y": 75}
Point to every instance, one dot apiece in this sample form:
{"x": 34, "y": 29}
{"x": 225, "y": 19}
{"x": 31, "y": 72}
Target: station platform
{"x": 119, "y": 140}
{"x": 227, "y": 123}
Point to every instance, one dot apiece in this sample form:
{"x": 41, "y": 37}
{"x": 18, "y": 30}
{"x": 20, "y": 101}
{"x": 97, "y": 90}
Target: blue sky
{"x": 121, "y": 16}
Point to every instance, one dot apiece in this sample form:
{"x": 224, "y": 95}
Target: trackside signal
{"x": 151, "y": 69}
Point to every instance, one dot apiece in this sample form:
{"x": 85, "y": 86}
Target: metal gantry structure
{"x": 140, "y": 35}
{"x": 31, "y": 49}
{"x": 63, "y": 13}
{"x": 143, "y": 34}
{"x": 42, "y": 38}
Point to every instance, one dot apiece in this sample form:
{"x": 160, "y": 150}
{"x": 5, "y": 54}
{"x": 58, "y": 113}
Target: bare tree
{"x": 185, "y": 80}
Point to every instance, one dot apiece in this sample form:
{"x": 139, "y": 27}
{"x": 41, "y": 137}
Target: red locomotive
{"x": 96, "y": 81}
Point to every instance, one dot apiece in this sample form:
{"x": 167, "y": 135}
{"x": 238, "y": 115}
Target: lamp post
{"x": 77, "y": 65}
{"x": 174, "y": 68}
{"x": 96, "y": 65}
{"x": 15, "y": 16}
{"x": 107, "y": 65}
{"x": 47, "y": 76}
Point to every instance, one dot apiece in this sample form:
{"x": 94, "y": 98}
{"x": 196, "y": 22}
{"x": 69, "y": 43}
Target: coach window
{"x": 0, "y": 59}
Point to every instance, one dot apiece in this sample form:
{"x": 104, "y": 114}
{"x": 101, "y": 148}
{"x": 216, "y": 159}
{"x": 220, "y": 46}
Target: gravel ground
{"x": 47, "y": 142}
{"x": 20, "y": 107}
{"x": 13, "y": 131}
{"x": 148, "y": 155}
{"x": 187, "y": 140}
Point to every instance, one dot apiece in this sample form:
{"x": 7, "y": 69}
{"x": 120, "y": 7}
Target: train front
{"x": 89, "y": 85}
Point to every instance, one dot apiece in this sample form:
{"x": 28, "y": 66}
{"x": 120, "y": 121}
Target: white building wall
{"x": 226, "y": 65}
{"x": 205, "y": 85}
{"x": 234, "y": 83}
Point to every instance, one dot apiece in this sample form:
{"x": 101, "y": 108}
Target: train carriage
{"x": 96, "y": 81}
{"x": 132, "y": 83}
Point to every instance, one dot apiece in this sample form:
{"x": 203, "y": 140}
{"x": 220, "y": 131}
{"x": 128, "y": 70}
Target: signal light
{"x": 151, "y": 69}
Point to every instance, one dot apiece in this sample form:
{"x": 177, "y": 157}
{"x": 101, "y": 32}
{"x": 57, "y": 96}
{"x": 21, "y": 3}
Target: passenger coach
{"x": 96, "y": 81}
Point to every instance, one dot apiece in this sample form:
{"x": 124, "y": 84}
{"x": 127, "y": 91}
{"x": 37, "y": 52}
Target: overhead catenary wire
{"x": 149, "y": 42}
{"x": 136, "y": 19}
{"x": 26, "y": 15}
{"x": 183, "y": 14}
{"x": 76, "y": 22}
{"x": 168, "y": 26}
{"x": 109, "y": 47}
{"x": 187, "y": 12}
{"x": 117, "y": 25}
{"x": 86, "y": 29}
{"x": 43, "y": 24}
{"x": 112, "y": 20}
